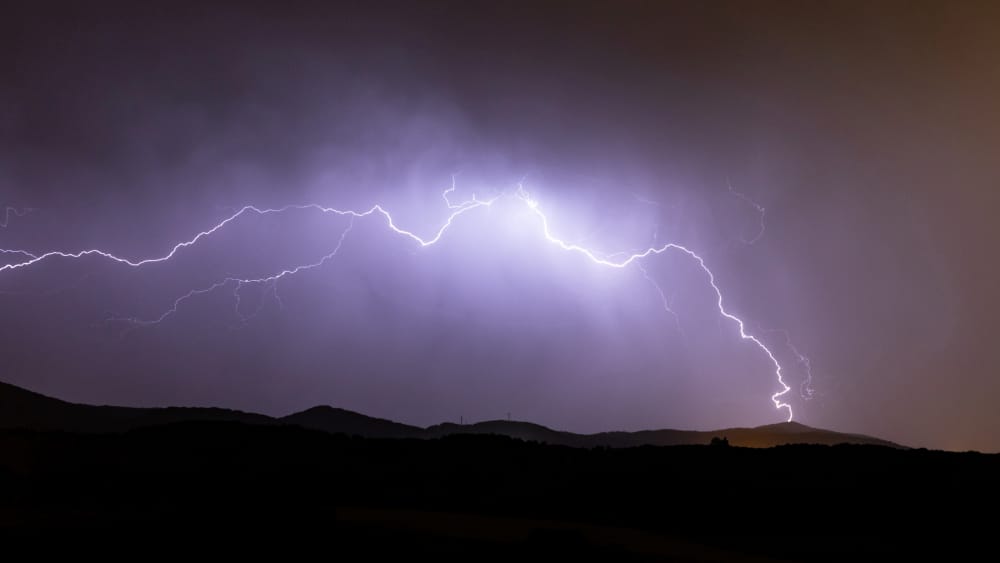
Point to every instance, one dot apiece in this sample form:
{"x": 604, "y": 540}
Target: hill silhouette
{"x": 21, "y": 408}
{"x": 341, "y": 421}
{"x": 491, "y": 491}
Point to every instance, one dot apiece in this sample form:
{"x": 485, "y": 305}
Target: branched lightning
{"x": 806, "y": 389}
{"x": 668, "y": 302}
{"x": 617, "y": 261}
{"x": 271, "y": 287}
{"x": 238, "y": 284}
{"x": 21, "y": 252}
{"x": 8, "y": 212}
{"x": 655, "y": 250}
{"x": 246, "y": 210}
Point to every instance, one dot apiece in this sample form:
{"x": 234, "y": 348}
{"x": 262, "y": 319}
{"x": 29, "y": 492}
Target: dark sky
{"x": 867, "y": 130}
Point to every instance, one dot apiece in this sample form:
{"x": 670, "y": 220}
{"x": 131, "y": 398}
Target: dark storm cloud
{"x": 867, "y": 132}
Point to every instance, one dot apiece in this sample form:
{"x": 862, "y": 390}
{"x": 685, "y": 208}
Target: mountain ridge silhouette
{"x": 22, "y": 408}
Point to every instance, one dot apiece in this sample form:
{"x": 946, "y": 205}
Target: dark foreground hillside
{"x": 245, "y": 487}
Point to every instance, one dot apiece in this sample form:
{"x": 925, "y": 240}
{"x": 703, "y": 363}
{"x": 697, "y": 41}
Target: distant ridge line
{"x": 21, "y": 408}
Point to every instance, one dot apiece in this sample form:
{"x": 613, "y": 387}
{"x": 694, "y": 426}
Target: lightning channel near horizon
{"x": 806, "y": 389}
{"x": 456, "y": 210}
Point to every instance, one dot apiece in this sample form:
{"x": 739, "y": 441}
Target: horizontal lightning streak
{"x": 243, "y": 211}
{"x": 238, "y": 282}
{"x": 458, "y": 209}
{"x": 21, "y": 252}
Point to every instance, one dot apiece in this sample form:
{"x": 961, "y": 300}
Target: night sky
{"x": 863, "y": 137}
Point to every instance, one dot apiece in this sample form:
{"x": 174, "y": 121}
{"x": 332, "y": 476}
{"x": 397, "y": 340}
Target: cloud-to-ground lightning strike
{"x": 618, "y": 261}
{"x": 652, "y": 251}
{"x": 806, "y": 389}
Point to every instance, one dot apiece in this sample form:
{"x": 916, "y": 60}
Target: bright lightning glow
{"x": 617, "y": 261}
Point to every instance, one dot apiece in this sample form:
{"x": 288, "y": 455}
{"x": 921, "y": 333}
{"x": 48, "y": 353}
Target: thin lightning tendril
{"x": 806, "y": 389}
{"x": 9, "y": 211}
{"x": 666, "y": 301}
{"x": 457, "y": 210}
{"x": 238, "y": 284}
{"x": 21, "y": 252}
{"x": 760, "y": 211}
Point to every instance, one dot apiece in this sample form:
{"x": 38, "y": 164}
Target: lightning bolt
{"x": 616, "y": 261}
{"x": 21, "y": 252}
{"x": 806, "y": 389}
{"x": 655, "y": 250}
{"x": 666, "y": 301}
{"x": 238, "y": 284}
{"x": 9, "y": 211}
{"x": 246, "y": 210}
{"x": 761, "y": 211}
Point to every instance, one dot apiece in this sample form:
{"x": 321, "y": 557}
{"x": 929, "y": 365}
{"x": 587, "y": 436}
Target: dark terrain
{"x": 176, "y": 479}
{"x": 20, "y": 408}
